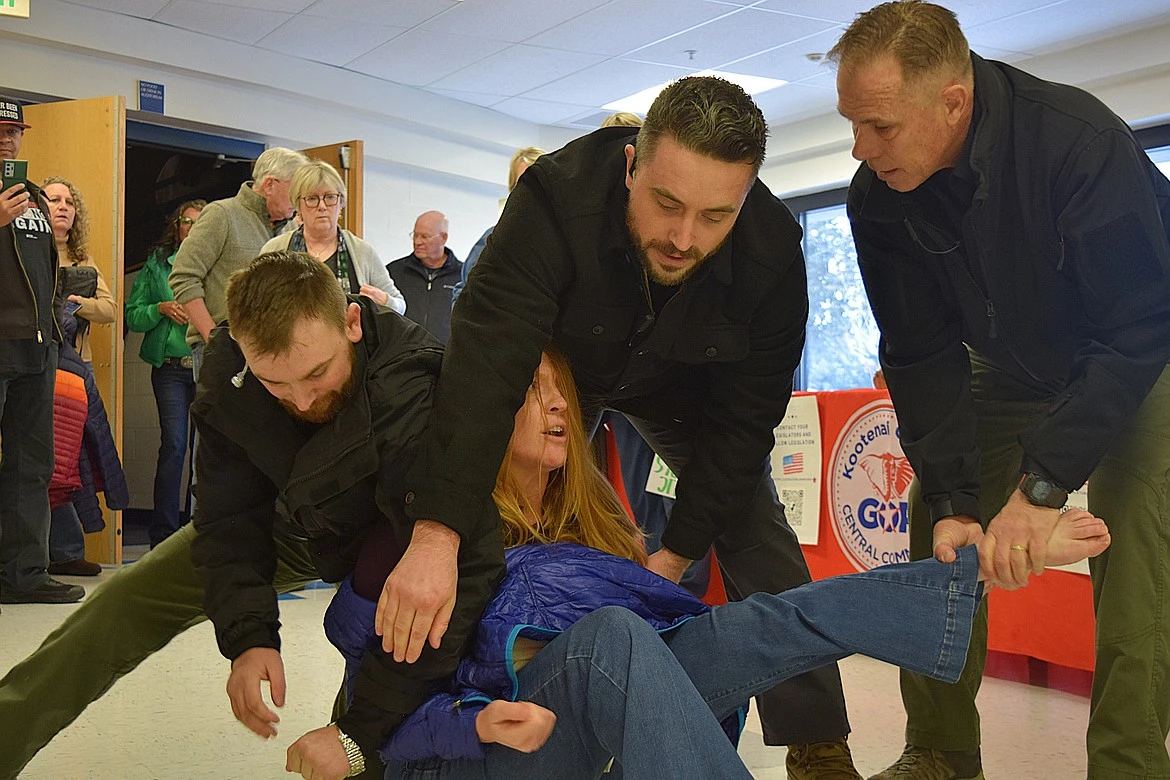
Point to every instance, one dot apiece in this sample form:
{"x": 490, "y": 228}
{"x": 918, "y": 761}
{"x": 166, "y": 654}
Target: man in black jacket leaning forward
{"x": 304, "y": 453}
{"x": 1012, "y": 236}
{"x": 674, "y": 281}
{"x": 310, "y": 410}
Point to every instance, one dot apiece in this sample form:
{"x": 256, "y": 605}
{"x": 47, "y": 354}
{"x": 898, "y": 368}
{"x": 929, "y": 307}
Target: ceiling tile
{"x": 332, "y": 41}
{"x": 642, "y": 22}
{"x": 245, "y": 25}
{"x": 419, "y": 57}
{"x": 970, "y": 12}
{"x": 285, "y": 6}
{"x": 143, "y": 9}
{"x": 517, "y": 69}
{"x": 540, "y": 111}
{"x": 398, "y": 13}
{"x": 606, "y": 82}
{"x": 793, "y": 102}
{"x": 475, "y": 98}
{"x": 508, "y": 20}
{"x": 729, "y": 38}
{"x": 1068, "y": 24}
{"x": 789, "y": 62}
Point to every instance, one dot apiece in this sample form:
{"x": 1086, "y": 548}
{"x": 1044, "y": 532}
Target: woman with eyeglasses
{"x": 318, "y": 193}
{"x": 153, "y": 310}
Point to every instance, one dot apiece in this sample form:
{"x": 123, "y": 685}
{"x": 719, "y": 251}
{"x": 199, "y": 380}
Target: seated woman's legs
{"x": 917, "y": 616}
{"x": 914, "y": 615}
{"x": 618, "y": 693}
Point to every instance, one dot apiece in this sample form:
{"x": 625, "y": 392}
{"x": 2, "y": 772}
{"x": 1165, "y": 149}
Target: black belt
{"x": 186, "y": 362}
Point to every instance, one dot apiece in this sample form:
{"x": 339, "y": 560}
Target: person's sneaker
{"x": 51, "y": 592}
{"x": 821, "y": 761}
{"x": 78, "y": 567}
{"x": 917, "y": 763}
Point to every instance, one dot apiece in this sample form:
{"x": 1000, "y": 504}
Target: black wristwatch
{"x": 1041, "y": 491}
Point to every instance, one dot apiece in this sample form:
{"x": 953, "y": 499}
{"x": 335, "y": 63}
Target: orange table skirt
{"x": 1050, "y": 620}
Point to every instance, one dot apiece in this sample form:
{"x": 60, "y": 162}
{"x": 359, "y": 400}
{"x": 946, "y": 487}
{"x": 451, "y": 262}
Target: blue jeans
{"x": 26, "y": 466}
{"x": 653, "y": 703}
{"x": 174, "y": 390}
{"x": 66, "y": 536}
{"x": 757, "y": 553}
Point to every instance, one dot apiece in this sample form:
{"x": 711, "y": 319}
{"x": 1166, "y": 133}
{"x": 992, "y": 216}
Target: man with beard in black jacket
{"x": 1013, "y": 239}
{"x": 310, "y": 409}
{"x": 310, "y": 416}
{"x": 674, "y": 282}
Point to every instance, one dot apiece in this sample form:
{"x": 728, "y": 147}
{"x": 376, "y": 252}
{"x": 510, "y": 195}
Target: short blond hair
{"x": 622, "y": 119}
{"x": 312, "y": 175}
{"x": 527, "y": 155}
{"x": 924, "y": 38}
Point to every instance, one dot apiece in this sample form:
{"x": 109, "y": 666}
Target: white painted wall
{"x": 1129, "y": 73}
{"x": 422, "y": 151}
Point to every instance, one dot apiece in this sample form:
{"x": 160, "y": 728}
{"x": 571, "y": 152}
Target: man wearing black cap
{"x": 28, "y": 369}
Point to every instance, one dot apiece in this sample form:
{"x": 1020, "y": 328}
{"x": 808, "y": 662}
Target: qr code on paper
{"x": 793, "y": 506}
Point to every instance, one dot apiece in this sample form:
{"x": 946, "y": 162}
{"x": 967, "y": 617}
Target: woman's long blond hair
{"x": 579, "y": 503}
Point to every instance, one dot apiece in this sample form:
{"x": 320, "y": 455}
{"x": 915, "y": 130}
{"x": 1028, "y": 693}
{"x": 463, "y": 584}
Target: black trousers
{"x": 757, "y": 553}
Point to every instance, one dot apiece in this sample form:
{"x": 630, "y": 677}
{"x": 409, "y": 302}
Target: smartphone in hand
{"x": 71, "y": 308}
{"x": 13, "y": 172}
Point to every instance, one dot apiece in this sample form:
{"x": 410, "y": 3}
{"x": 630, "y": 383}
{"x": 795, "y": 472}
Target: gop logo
{"x": 869, "y": 480}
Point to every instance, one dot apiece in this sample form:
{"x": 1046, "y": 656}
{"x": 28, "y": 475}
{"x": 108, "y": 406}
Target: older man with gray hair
{"x": 428, "y": 277}
{"x": 1014, "y": 241}
{"x": 225, "y": 238}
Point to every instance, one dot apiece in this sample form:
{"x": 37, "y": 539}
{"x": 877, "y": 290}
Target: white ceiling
{"x": 557, "y": 62}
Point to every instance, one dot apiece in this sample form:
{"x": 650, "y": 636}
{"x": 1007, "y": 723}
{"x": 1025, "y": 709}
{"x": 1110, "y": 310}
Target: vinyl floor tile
{"x": 170, "y": 718}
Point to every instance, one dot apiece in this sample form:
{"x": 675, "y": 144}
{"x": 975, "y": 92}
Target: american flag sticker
{"x": 793, "y": 464}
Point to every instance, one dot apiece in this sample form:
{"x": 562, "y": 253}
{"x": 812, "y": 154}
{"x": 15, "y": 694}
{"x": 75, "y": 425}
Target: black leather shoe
{"x": 51, "y": 592}
{"x": 78, "y": 567}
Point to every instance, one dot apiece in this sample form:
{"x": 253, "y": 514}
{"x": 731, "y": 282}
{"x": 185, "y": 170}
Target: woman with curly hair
{"x": 152, "y": 309}
{"x": 70, "y": 220}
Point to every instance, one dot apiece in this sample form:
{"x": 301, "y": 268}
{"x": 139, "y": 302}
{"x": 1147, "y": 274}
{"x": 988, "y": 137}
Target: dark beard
{"x": 328, "y": 406}
{"x": 642, "y": 250}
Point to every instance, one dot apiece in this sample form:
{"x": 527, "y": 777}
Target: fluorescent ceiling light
{"x": 639, "y": 102}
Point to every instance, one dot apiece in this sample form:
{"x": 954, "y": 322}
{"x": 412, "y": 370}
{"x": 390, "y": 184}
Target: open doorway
{"x": 165, "y": 167}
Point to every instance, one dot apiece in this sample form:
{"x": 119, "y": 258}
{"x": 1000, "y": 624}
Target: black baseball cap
{"x": 11, "y": 113}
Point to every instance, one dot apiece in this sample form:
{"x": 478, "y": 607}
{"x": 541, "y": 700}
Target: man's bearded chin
{"x": 326, "y": 407}
{"x": 657, "y": 275}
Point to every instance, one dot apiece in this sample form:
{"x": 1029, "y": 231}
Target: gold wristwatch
{"x": 357, "y": 762}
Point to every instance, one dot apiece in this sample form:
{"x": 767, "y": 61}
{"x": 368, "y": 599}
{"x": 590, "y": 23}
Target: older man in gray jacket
{"x": 226, "y": 237}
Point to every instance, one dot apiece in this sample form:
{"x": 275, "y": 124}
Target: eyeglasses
{"x": 421, "y": 236}
{"x": 329, "y": 199}
{"x": 186, "y": 221}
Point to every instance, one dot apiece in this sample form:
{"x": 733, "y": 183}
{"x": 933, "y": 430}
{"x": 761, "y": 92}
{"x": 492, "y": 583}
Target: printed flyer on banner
{"x": 869, "y": 481}
{"x": 796, "y": 467}
{"x": 1077, "y": 500}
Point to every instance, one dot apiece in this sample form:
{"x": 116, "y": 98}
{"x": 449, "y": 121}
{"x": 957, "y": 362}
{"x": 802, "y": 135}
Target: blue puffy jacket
{"x": 546, "y": 590}
{"x": 100, "y": 467}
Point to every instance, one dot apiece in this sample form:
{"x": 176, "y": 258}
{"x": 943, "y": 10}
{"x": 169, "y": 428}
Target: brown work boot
{"x": 918, "y": 763}
{"x": 821, "y": 761}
